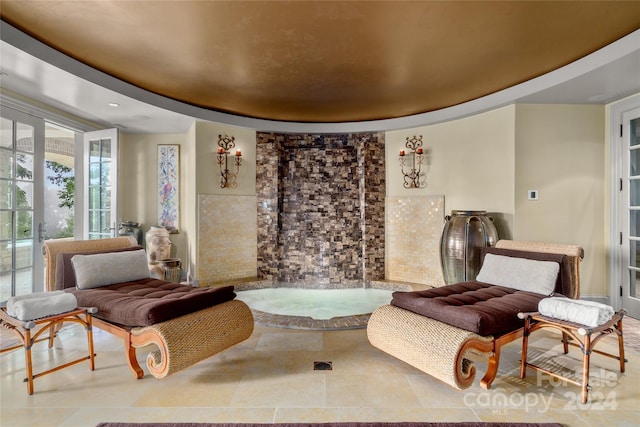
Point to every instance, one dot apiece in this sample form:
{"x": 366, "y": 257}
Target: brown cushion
{"x": 563, "y": 283}
{"x": 65, "y": 275}
{"x": 149, "y": 301}
{"x": 474, "y": 306}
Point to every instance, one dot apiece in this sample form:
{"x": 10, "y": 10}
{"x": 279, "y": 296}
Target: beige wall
{"x": 138, "y": 184}
{"x": 472, "y": 164}
{"x": 560, "y": 152}
{"x": 484, "y": 162}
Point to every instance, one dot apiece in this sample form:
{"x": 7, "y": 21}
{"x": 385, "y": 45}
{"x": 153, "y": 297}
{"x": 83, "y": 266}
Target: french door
{"x": 626, "y": 206}
{"x": 101, "y": 184}
{"x": 631, "y": 282}
{"x": 21, "y": 203}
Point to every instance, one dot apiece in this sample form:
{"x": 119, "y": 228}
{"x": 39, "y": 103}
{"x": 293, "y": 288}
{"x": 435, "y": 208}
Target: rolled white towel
{"x": 587, "y": 313}
{"x": 49, "y": 305}
{"x": 36, "y": 295}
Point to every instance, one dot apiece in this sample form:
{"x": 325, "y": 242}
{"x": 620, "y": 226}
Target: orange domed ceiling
{"x": 324, "y": 61}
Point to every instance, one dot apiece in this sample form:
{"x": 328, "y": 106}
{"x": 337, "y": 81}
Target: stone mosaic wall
{"x": 320, "y": 209}
{"x": 413, "y": 228}
{"x": 227, "y": 233}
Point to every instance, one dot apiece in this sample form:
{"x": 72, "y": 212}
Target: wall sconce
{"x": 225, "y": 145}
{"x": 413, "y": 162}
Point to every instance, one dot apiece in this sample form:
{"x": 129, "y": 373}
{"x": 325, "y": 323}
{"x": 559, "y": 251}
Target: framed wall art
{"x": 169, "y": 187}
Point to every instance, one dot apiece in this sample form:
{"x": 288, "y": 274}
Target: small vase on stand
{"x": 172, "y": 269}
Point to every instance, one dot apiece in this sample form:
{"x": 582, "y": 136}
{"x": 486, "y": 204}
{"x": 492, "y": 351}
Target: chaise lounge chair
{"x": 442, "y": 330}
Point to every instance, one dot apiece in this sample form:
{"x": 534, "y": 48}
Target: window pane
{"x": 24, "y": 226}
{"x": 24, "y": 195}
{"x": 94, "y": 151}
{"x": 24, "y": 283}
{"x": 24, "y": 253}
{"x": 634, "y": 254}
{"x": 5, "y": 283}
{"x": 24, "y": 137}
{"x": 5, "y": 257}
{"x": 635, "y": 132}
{"x": 94, "y": 198}
{"x": 5, "y": 194}
{"x": 634, "y": 279}
{"x": 6, "y": 134}
{"x": 634, "y": 162}
{"x": 105, "y": 174}
{"x": 105, "y": 145}
{"x": 6, "y": 164}
{"x": 634, "y": 223}
{"x": 59, "y": 195}
{"x": 5, "y": 225}
{"x": 634, "y": 192}
{"x": 106, "y": 221}
{"x": 94, "y": 221}
{"x": 94, "y": 174}
{"x": 24, "y": 166}
{"x": 105, "y": 193}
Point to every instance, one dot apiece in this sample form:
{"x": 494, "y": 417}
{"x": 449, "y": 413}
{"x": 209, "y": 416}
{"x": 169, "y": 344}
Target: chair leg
{"x": 90, "y": 342}
{"x": 565, "y": 342}
{"x": 525, "y": 348}
{"x": 28, "y": 360}
{"x": 620, "y": 345}
{"x": 585, "y": 368}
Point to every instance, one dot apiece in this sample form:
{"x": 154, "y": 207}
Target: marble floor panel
{"x": 270, "y": 378}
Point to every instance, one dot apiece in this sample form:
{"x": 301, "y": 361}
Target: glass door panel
{"x": 20, "y": 204}
{"x": 60, "y": 181}
{"x": 631, "y": 286}
{"x": 101, "y": 176}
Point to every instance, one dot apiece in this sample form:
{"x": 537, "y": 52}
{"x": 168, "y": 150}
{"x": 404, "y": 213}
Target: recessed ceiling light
{"x": 114, "y": 104}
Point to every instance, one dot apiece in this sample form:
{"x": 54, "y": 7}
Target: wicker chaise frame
{"x": 433, "y": 346}
{"x": 182, "y": 341}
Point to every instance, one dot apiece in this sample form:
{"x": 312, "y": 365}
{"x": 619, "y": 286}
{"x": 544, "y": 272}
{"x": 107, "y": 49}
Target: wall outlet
{"x": 532, "y": 194}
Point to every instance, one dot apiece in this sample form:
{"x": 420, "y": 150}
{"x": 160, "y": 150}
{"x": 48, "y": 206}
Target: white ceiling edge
{"x": 613, "y": 72}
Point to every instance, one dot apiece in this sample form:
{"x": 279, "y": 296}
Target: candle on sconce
{"x": 220, "y": 150}
{"x": 401, "y": 153}
{"x": 419, "y": 150}
{"x": 238, "y": 153}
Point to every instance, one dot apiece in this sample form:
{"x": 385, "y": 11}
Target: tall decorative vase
{"x": 158, "y": 244}
{"x": 465, "y": 233}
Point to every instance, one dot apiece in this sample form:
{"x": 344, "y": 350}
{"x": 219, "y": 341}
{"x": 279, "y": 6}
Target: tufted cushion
{"x": 474, "y": 306}
{"x": 149, "y": 301}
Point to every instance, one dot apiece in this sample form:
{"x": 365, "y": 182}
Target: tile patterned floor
{"x": 270, "y": 378}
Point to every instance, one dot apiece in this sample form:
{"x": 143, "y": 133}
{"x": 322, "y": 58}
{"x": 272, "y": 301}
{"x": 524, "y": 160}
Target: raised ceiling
{"x": 324, "y": 61}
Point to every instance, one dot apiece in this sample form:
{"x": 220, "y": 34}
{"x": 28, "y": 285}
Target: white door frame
{"x": 618, "y": 231}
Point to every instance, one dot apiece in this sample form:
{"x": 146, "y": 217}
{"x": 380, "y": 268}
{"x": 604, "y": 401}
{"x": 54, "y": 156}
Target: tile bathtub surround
{"x": 270, "y": 379}
{"x": 320, "y": 208}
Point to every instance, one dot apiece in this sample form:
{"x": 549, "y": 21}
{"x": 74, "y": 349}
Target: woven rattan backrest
{"x": 51, "y": 249}
{"x": 574, "y": 252}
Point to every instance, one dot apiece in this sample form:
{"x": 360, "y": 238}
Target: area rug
{"x": 353, "y": 424}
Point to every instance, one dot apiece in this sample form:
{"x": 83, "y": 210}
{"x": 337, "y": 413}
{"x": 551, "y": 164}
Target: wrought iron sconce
{"x": 225, "y": 145}
{"x": 413, "y": 160}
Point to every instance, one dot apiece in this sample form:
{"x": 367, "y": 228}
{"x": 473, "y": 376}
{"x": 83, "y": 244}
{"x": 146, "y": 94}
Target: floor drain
{"x": 322, "y": 366}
